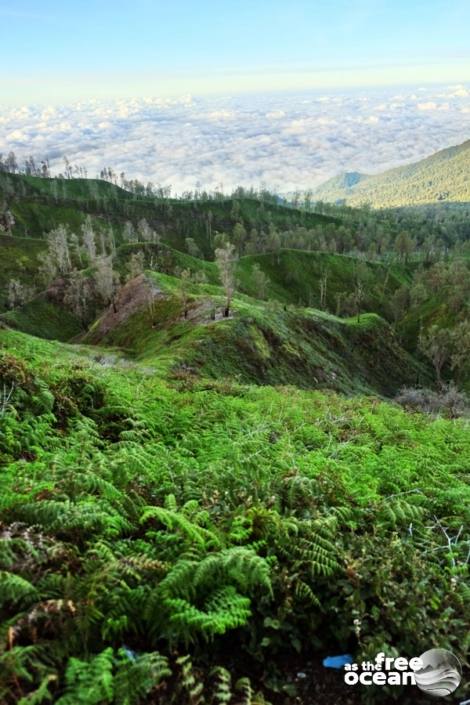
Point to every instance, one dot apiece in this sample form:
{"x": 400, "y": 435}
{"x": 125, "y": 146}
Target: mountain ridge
{"x": 441, "y": 177}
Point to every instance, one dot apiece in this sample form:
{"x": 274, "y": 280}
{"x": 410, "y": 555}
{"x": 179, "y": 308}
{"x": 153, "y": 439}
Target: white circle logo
{"x": 440, "y": 674}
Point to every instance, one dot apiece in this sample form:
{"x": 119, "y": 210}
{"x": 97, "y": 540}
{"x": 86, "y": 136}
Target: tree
{"x": 235, "y": 212}
{"x": 239, "y": 237}
{"x": 192, "y": 248}
{"x": 146, "y": 233}
{"x": 358, "y": 297}
{"x": 274, "y": 241}
{"x": 136, "y": 264}
{"x": 400, "y": 302}
{"x": 260, "y": 281}
{"x": 403, "y": 245}
{"x": 56, "y": 260}
{"x": 436, "y": 344}
{"x": 323, "y": 288}
{"x": 78, "y": 295}
{"x": 16, "y": 293}
{"x": 209, "y": 219}
{"x": 185, "y": 277}
{"x": 105, "y": 279}
{"x": 128, "y": 232}
{"x": 88, "y": 238}
{"x": 226, "y": 262}
{"x": 460, "y": 360}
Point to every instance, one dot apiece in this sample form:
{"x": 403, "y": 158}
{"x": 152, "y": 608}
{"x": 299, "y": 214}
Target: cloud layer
{"x": 282, "y": 141}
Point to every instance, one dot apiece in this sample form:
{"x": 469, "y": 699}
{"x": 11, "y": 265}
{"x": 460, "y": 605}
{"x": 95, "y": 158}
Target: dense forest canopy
{"x": 442, "y": 177}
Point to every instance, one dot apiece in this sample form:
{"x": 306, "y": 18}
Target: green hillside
{"x": 39, "y": 205}
{"x": 211, "y": 477}
{"x": 442, "y": 177}
{"x": 261, "y": 343}
{"x": 162, "y": 533}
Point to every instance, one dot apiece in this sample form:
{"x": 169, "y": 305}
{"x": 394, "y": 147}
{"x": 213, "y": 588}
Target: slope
{"x": 261, "y": 343}
{"x": 39, "y": 205}
{"x": 442, "y": 177}
{"x": 162, "y": 540}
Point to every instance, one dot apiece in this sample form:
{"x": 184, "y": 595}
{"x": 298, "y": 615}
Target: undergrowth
{"x": 181, "y": 541}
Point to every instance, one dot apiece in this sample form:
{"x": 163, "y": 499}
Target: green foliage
{"x": 441, "y": 177}
{"x": 145, "y": 525}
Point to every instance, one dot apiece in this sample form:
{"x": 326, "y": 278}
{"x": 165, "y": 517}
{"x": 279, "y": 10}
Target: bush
{"x": 448, "y": 402}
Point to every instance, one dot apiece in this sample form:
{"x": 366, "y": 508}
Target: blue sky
{"x": 57, "y": 51}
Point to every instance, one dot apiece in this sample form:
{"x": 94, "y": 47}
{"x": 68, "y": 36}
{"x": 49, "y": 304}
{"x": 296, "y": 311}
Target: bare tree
{"x": 105, "y": 279}
{"x": 17, "y": 293}
{"x": 145, "y": 231}
{"x": 192, "y": 248}
{"x": 323, "y": 288}
{"x": 7, "y": 220}
{"x": 56, "y": 260}
{"x": 78, "y": 295}
{"x": 136, "y": 264}
{"x": 88, "y": 237}
{"x": 226, "y": 262}
{"x": 358, "y": 297}
{"x": 185, "y": 277}
{"x": 128, "y": 232}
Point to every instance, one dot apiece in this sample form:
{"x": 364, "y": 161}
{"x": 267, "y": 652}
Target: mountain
{"x": 442, "y": 177}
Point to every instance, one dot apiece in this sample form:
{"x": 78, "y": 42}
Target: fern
{"x": 42, "y": 694}
{"x": 222, "y": 692}
{"x": 176, "y": 520}
{"x": 89, "y": 682}
{"x": 15, "y": 589}
{"x": 136, "y": 677}
{"x": 247, "y": 694}
{"x": 189, "y": 684}
{"x": 398, "y": 512}
{"x": 225, "y": 609}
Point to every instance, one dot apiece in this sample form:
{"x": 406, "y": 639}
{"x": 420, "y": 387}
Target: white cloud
{"x": 431, "y": 105}
{"x": 459, "y": 92}
{"x": 285, "y": 142}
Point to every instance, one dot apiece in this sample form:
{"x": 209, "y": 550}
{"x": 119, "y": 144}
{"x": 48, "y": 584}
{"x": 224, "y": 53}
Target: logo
{"x": 440, "y": 674}
{"x": 436, "y": 672}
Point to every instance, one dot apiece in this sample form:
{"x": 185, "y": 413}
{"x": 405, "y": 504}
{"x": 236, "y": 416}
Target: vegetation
{"x": 441, "y": 177}
{"x": 145, "y": 520}
{"x": 222, "y": 458}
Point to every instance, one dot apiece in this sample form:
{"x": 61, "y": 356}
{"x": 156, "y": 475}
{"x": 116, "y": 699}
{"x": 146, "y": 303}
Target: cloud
{"x": 459, "y": 92}
{"x": 431, "y": 105}
{"x": 283, "y": 141}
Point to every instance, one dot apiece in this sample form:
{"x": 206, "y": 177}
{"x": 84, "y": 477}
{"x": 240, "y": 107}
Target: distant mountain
{"x": 444, "y": 176}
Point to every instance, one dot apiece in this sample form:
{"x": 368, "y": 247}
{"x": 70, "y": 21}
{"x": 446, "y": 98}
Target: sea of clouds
{"x": 285, "y": 142}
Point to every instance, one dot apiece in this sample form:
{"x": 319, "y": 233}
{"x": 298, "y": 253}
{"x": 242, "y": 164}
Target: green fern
{"x": 16, "y": 590}
{"x": 89, "y": 682}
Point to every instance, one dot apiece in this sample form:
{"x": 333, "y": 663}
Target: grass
{"x": 42, "y": 204}
{"x": 18, "y": 260}
{"x": 44, "y": 319}
{"x": 294, "y": 277}
{"x": 263, "y": 343}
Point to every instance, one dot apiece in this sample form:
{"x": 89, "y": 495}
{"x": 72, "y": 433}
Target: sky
{"x": 56, "y": 51}
{"x": 204, "y": 93}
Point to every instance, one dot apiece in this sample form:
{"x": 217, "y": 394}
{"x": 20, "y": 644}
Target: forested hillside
{"x": 233, "y": 442}
{"x": 442, "y": 177}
